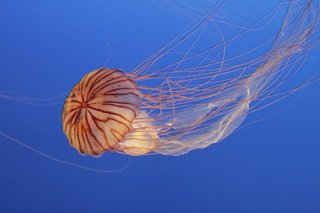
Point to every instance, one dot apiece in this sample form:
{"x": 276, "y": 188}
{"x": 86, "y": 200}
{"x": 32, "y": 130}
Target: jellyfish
{"x": 198, "y": 99}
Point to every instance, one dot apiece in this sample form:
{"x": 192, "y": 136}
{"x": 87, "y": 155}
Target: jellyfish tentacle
{"x": 200, "y": 114}
{"x": 68, "y": 163}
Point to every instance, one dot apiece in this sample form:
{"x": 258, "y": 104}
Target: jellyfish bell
{"x": 102, "y": 114}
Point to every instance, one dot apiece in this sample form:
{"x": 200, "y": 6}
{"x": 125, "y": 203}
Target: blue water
{"x": 47, "y": 46}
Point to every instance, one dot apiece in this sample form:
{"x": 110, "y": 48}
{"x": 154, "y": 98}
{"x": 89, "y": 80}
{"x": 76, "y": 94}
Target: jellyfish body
{"x": 99, "y": 112}
{"x": 198, "y": 99}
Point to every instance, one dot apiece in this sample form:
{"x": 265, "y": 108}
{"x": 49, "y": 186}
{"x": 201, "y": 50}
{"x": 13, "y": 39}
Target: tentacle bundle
{"x": 99, "y": 111}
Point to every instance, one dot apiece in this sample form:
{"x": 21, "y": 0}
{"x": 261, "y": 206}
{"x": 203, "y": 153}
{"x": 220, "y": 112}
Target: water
{"x": 46, "y": 47}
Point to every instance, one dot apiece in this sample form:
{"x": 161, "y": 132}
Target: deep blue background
{"x": 47, "y": 46}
